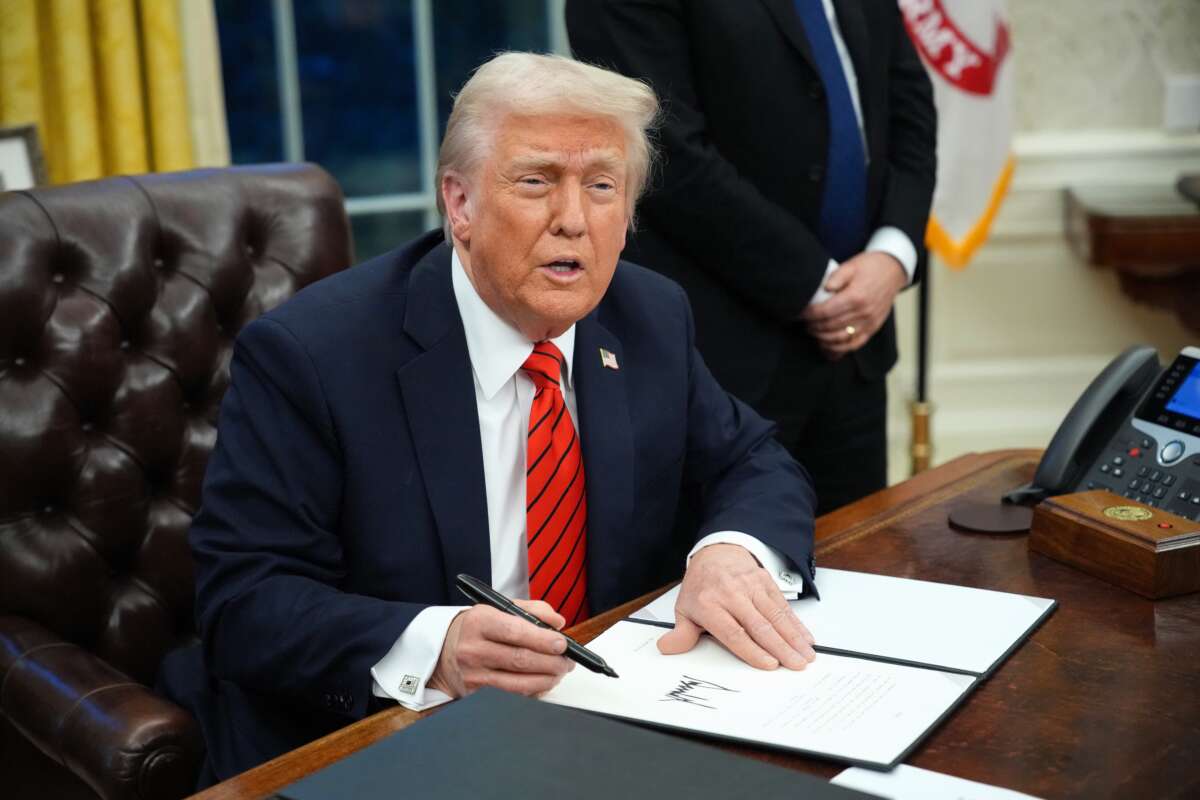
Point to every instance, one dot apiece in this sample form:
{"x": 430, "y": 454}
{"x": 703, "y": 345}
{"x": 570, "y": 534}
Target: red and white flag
{"x": 965, "y": 46}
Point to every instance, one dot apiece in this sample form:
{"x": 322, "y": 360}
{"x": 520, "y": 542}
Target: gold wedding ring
{"x": 850, "y": 331}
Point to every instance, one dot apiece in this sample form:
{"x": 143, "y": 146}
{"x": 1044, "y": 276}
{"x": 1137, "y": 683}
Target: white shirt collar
{"x": 496, "y": 348}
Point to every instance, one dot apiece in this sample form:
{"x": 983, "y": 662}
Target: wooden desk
{"x": 1102, "y": 701}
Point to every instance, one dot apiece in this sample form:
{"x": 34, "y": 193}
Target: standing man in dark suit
{"x": 798, "y": 171}
{"x": 508, "y": 401}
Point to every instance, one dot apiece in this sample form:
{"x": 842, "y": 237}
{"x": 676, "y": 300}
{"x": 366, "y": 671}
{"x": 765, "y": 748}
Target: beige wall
{"x": 1020, "y": 332}
{"x": 1084, "y": 64}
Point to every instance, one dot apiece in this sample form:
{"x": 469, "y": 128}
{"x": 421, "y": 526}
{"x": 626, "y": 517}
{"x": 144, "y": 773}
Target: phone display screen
{"x": 1186, "y": 399}
{"x": 1174, "y": 401}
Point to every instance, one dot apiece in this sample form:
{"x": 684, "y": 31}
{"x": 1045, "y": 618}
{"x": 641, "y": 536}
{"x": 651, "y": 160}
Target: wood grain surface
{"x": 1076, "y": 530}
{"x": 1102, "y": 701}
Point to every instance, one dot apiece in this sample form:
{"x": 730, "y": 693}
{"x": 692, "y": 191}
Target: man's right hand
{"x": 486, "y": 647}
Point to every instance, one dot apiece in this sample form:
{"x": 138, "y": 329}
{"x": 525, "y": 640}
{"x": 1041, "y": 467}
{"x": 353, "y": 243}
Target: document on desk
{"x": 914, "y": 783}
{"x": 906, "y": 621}
{"x": 852, "y": 709}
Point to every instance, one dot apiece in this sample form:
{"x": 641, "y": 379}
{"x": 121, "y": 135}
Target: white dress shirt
{"x": 503, "y": 397}
{"x": 887, "y": 239}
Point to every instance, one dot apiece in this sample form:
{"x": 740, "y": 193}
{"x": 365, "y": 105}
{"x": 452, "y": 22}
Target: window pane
{"x": 378, "y": 233}
{"x": 358, "y": 92}
{"x": 468, "y": 32}
{"x": 251, "y": 86}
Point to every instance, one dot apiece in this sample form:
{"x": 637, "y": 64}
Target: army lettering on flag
{"x": 965, "y": 47}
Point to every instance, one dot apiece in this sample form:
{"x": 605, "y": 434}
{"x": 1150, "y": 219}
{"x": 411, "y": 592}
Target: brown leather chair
{"x": 119, "y": 302}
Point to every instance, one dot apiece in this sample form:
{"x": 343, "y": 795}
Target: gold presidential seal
{"x": 1127, "y": 513}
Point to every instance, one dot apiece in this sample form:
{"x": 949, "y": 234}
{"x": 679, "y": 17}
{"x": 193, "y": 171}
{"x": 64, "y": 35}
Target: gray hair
{"x": 528, "y": 83}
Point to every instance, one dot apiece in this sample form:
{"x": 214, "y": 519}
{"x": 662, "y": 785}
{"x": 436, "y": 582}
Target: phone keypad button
{"x": 1143, "y": 472}
{"x": 1160, "y": 492}
{"x": 1117, "y": 472}
{"x": 1154, "y": 476}
{"x": 1118, "y": 461}
{"x": 1168, "y": 480}
{"x": 1104, "y": 468}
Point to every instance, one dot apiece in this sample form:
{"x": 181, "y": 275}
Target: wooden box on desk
{"x": 1146, "y": 550}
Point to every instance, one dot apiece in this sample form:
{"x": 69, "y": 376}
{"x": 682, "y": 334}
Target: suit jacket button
{"x": 816, "y": 172}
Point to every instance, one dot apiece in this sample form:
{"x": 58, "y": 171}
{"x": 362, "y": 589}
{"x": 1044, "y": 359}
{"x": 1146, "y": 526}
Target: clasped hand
{"x": 864, "y": 288}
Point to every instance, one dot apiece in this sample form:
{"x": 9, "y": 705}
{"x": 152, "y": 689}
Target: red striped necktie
{"x": 555, "y": 501}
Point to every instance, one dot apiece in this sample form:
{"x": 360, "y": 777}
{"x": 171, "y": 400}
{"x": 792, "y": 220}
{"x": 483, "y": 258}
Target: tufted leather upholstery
{"x": 119, "y": 302}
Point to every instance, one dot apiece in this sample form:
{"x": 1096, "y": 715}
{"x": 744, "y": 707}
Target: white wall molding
{"x": 1047, "y": 163}
{"x": 1056, "y": 146}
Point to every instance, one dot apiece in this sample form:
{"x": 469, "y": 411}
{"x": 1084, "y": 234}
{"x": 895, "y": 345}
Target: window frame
{"x": 292, "y": 115}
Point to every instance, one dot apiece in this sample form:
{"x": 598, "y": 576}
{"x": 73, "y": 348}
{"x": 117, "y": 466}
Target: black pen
{"x": 480, "y": 592}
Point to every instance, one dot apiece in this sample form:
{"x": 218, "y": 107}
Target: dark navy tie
{"x": 844, "y": 201}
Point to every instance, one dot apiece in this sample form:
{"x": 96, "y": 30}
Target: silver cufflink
{"x": 409, "y": 684}
{"x": 786, "y": 577}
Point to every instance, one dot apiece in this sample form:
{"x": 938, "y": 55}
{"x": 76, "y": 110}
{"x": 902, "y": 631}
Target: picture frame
{"x": 22, "y": 165}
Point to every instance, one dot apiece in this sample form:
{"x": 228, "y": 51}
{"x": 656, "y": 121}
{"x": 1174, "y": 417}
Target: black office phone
{"x": 1135, "y": 431}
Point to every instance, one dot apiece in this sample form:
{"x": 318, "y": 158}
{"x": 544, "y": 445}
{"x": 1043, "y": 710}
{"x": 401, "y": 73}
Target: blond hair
{"x": 532, "y": 84}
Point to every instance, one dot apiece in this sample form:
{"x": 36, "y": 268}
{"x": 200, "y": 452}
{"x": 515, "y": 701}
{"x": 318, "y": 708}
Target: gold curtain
{"x": 104, "y": 80}
{"x": 206, "y": 95}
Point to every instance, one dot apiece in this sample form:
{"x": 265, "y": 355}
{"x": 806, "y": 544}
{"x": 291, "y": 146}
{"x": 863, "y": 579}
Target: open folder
{"x": 904, "y": 620}
{"x": 895, "y": 657}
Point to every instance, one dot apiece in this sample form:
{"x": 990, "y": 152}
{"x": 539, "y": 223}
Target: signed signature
{"x": 685, "y": 692}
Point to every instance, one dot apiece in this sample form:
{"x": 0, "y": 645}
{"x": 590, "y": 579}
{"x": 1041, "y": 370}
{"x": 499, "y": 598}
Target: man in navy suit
{"x": 504, "y": 399}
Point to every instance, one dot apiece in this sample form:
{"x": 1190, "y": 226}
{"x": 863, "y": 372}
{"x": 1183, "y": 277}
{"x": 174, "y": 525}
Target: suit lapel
{"x": 606, "y": 433}
{"x": 784, "y": 13}
{"x": 439, "y": 400}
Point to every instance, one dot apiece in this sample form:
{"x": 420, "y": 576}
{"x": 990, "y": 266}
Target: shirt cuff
{"x": 820, "y": 295}
{"x": 774, "y": 562}
{"x": 895, "y": 243}
{"x": 402, "y": 674}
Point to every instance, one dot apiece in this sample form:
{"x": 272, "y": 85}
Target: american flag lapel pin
{"x": 608, "y": 360}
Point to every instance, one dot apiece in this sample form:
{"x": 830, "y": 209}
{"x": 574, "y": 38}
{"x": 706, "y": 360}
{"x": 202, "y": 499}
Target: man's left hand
{"x": 727, "y": 593}
{"x": 864, "y": 288}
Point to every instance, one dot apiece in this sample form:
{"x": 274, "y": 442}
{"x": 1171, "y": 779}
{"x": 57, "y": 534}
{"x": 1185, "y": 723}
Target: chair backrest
{"x": 119, "y": 303}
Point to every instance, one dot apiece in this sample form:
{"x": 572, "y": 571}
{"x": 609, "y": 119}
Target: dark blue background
{"x": 358, "y": 88}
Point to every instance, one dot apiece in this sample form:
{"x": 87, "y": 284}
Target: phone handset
{"x": 1096, "y": 416}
